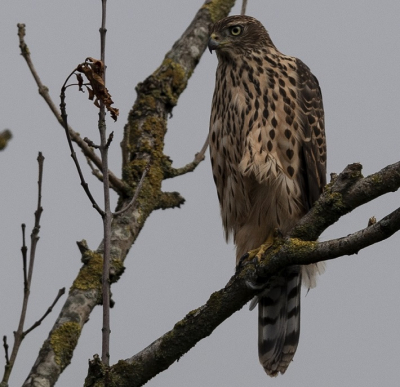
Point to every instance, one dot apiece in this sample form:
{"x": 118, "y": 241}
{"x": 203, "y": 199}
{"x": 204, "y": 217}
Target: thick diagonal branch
{"x": 349, "y": 191}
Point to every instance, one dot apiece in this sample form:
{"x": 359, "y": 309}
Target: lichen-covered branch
{"x": 169, "y": 200}
{"x": 347, "y": 192}
{"x": 143, "y": 141}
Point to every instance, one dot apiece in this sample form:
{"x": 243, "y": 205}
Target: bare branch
{"x": 244, "y": 5}
{"x": 91, "y": 144}
{"x": 110, "y": 138}
{"x": 19, "y": 334}
{"x": 170, "y": 172}
{"x": 44, "y": 92}
{"x": 95, "y": 171}
{"x": 104, "y": 144}
{"x": 49, "y": 310}
{"x": 84, "y": 185}
{"x": 24, "y": 251}
{"x": 5, "y": 345}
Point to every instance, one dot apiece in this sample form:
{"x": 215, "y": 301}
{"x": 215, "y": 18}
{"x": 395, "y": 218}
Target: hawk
{"x": 268, "y": 155}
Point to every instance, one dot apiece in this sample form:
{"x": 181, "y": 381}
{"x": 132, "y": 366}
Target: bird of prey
{"x": 268, "y": 155}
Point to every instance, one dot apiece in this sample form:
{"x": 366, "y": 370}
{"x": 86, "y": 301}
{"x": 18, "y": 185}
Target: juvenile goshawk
{"x": 268, "y": 155}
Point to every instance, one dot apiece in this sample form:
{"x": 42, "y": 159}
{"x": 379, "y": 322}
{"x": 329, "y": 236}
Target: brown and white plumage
{"x": 268, "y": 155}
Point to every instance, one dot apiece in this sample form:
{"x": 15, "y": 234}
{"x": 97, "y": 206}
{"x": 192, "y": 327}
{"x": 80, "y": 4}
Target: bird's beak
{"x": 213, "y": 43}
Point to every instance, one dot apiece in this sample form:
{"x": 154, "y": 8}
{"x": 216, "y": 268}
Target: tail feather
{"x": 279, "y": 322}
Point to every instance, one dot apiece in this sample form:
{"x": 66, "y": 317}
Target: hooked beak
{"x": 213, "y": 43}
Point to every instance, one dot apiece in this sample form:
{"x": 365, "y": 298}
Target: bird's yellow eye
{"x": 236, "y": 30}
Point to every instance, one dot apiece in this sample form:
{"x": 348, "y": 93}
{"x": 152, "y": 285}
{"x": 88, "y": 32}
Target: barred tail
{"x": 279, "y": 322}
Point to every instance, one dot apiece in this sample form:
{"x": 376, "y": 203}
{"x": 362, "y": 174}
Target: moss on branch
{"x": 219, "y": 8}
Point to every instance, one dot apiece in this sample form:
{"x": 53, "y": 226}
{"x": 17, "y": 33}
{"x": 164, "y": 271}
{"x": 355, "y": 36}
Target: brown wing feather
{"x": 313, "y": 152}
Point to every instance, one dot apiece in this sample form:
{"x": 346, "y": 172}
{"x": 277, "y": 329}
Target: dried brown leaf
{"x": 91, "y": 94}
{"x": 93, "y": 69}
{"x": 80, "y": 81}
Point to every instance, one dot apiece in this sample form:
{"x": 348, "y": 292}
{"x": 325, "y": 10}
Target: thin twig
{"x": 24, "y": 250}
{"x": 91, "y": 143}
{"x": 105, "y": 350}
{"x": 117, "y": 183}
{"x": 200, "y": 156}
{"x": 19, "y": 335}
{"x": 138, "y": 189}
{"x": 95, "y": 171}
{"x": 49, "y": 310}
{"x": 5, "y": 345}
{"x": 84, "y": 185}
{"x": 244, "y": 5}
{"x": 170, "y": 172}
{"x": 110, "y": 138}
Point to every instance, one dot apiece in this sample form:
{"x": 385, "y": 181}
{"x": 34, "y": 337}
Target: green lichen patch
{"x": 173, "y": 79}
{"x": 219, "y": 8}
{"x": 299, "y": 246}
{"x": 63, "y": 341}
{"x": 89, "y": 276}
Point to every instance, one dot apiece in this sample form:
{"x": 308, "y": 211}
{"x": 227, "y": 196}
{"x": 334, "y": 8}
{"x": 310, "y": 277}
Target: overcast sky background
{"x": 349, "y": 335}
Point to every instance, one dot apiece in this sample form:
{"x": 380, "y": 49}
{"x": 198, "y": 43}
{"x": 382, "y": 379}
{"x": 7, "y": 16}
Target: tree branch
{"x": 44, "y": 92}
{"x": 244, "y": 5}
{"x": 48, "y": 311}
{"x": 84, "y": 184}
{"x": 28, "y": 272}
{"x": 170, "y": 172}
{"x": 346, "y": 192}
{"x": 169, "y": 200}
{"x": 253, "y": 276}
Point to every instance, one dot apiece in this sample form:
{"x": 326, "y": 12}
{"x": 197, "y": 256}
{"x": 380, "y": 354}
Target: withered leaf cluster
{"x": 93, "y": 69}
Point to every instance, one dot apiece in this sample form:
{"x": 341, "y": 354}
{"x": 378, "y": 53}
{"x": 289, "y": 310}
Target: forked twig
{"x": 19, "y": 335}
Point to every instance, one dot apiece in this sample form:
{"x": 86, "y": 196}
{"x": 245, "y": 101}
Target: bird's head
{"x": 238, "y": 35}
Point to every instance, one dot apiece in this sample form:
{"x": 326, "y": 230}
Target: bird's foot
{"x": 256, "y": 254}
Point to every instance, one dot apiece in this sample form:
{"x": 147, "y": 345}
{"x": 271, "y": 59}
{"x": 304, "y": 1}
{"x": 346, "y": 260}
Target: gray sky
{"x": 349, "y": 334}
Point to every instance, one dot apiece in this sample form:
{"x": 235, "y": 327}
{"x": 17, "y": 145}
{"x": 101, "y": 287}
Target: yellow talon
{"x": 258, "y": 252}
